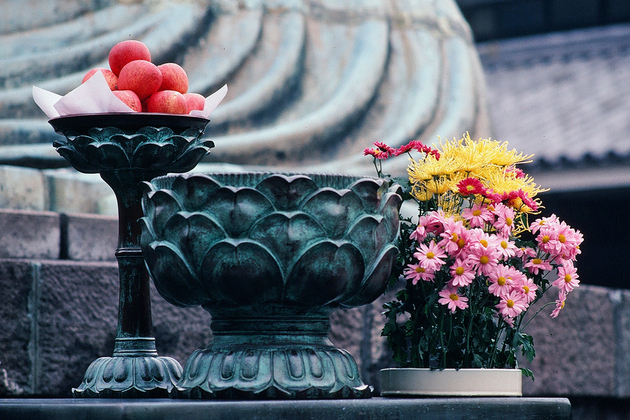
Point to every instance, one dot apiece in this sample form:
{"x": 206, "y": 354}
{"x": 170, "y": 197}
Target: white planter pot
{"x": 451, "y": 382}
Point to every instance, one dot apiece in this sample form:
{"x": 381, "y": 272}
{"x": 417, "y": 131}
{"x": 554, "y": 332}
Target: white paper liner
{"x": 95, "y": 97}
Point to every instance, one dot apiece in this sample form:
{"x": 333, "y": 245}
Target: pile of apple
{"x": 145, "y": 87}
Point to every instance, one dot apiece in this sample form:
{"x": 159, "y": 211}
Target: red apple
{"x": 129, "y": 98}
{"x": 143, "y": 77}
{"x": 194, "y": 101}
{"x": 110, "y": 77}
{"x": 167, "y": 101}
{"x": 125, "y": 52}
{"x": 174, "y": 77}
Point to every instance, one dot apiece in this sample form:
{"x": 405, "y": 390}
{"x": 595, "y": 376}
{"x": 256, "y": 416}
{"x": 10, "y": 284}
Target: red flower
{"x": 377, "y": 153}
{"x": 384, "y": 148}
{"x": 470, "y": 186}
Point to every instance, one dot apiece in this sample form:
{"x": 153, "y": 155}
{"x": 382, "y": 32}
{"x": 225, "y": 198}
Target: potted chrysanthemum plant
{"x": 472, "y": 263}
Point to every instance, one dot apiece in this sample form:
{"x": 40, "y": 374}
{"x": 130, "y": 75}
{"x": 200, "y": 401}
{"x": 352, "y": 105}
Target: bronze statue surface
{"x": 312, "y": 83}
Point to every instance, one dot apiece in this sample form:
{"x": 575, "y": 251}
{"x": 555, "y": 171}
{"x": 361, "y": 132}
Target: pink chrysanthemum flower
{"x": 483, "y": 260}
{"x": 461, "y": 274}
{"x": 517, "y": 199}
{"x": 478, "y": 215}
{"x": 482, "y": 254}
{"x": 562, "y": 297}
{"x": 527, "y": 287}
{"x": 470, "y": 186}
{"x": 569, "y": 241}
{"x": 567, "y": 277}
{"x": 500, "y": 281}
{"x": 507, "y": 249}
{"x": 429, "y": 151}
{"x": 451, "y": 298}
{"x": 512, "y": 304}
{"x": 536, "y": 264}
{"x": 430, "y": 256}
{"x": 558, "y": 239}
{"x": 525, "y": 253}
{"x": 543, "y": 222}
{"x": 515, "y": 172}
{"x": 427, "y": 224}
{"x": 504, "y": 222}
{"x": 415, "y": 273}
{"x": 419, "y": 233}
{"x": 454, "y": 237}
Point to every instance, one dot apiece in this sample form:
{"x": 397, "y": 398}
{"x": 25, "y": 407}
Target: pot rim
{"x": 464, "y": 382}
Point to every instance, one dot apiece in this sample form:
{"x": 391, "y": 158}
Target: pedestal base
{"x": 283, "y": 372}
{"x": 274, "y": 352}
{"x": 134, "y": 371}
{"x": 129, "y": 377}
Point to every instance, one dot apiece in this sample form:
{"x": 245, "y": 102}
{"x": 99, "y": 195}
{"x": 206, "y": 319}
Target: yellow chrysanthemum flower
{"x": 420, "y": 193}
{"x": 503, "y": 182}
{"x": 430, "y": 167}
{"x": 472, "y": 155}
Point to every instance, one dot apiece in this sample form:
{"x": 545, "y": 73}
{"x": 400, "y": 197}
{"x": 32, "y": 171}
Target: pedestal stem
{"x": 134, "y": 310}
{"x": 139, "y": 370}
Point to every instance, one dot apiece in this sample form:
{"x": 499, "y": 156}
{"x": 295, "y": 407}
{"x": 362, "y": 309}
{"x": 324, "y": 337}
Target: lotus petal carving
{"x": 259, "y": 238}
{"x": 240, "y": 273}
{"x": 99, "y": 142}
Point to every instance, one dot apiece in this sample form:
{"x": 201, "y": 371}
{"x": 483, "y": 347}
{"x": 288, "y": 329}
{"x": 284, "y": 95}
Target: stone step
{"x": 50, "y": 235}
{"x": 61, "y": 190}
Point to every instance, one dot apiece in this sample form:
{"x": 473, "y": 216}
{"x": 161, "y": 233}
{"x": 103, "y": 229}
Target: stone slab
{"x": 22, "y": 188}
{"x": 74, "y": 192}
{"x": 77, "y": 318}
{"x": 59, "y": 316}
{"x": 29, "y": 234}
{"x": 575, "y": 352}
{"x": 76, "y": 321}
{"x": 90, "y": 237}
{"x": 369, "y": 409}
{"x": 16, "y": 282}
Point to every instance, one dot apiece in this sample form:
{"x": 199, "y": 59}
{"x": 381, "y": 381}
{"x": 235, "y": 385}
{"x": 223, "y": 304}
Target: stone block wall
{"x": 48, "y": 235}
{"x": 57, "y": 315}
{"x": 59, "y": 190}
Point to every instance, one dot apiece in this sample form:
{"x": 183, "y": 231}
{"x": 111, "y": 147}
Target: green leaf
{"x": 528, "y": 373}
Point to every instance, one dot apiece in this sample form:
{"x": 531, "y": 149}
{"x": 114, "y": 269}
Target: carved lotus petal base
{"x": 281, "y": 372}
{"x": 129, "y": 377}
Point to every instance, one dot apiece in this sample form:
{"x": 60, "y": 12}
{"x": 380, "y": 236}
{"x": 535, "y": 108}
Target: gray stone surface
{"x": 76, "y": 322}
{"x": 90, "y": 237}
{"x": 365, "y": 409}
{"x": 29, "y": 234}
{"x": 22, "y": 188}
{"x": 576, "y": 353}
{"x": 179, "y": 331}
{"x": 74, "y": 192}
{"x": 16, "y": 325}
{"x": 59, "y": 316}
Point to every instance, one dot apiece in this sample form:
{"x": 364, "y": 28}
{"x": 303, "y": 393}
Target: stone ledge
{"x": 29, "y": 234}
{"x": 374, "y": 408}
{"x": 90, "y": 237}
{"x": 49, "y": 235}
